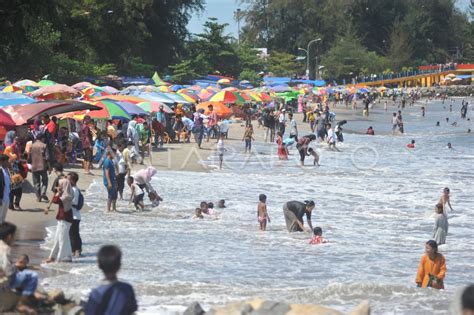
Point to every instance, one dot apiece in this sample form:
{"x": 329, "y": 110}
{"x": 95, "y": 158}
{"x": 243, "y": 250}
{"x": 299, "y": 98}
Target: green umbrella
{"x": 46, "y": 83}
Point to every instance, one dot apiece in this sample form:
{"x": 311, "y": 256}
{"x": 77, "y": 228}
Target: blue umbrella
{"x": 132, "y": 109}
{"x": 8, "y": 98}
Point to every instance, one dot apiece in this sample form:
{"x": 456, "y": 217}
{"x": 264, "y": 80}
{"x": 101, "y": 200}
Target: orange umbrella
{"x": 220, "y": 109}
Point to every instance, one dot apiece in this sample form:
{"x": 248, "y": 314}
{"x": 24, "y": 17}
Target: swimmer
{"x": 370, "y": 131}
{"x": 411, "y": 145}
{"x": 198, "y": 214}
{"x": 444, "y": 199}
{"x": 437, "y": 124}
{"x": 449, "y": 145}
{"x": 454, "y": 124}
{"x": 447, "y": 119}
{"x": 221, "y": 204}
{"x": 318, "y": 236}
{"x": 469, "y": 131}
{"x": 204, "y": 206}
{"x": 262, "y": 214}
{"x": 315, "y": 155}
{"x": 423, "y": 111}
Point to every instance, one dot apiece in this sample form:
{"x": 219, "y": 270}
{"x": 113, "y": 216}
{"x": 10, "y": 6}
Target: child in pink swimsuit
{"x": 262, "y": 214}
{"x": 318, "y": 236}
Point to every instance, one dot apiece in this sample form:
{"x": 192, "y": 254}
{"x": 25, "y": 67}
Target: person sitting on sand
{"x": 16, "y": 276}
{"x": 444, "y": 199}
{"x": 114, "y": 296}
{"x": 313, "y": 153}
{"x": 318, "y": 236}
{"x": 411, "y": 145}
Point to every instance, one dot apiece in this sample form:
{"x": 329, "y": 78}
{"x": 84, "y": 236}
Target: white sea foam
{"x": 374, "y": 202}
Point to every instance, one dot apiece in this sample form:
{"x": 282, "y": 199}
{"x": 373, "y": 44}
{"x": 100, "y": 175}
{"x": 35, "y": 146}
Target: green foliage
{"x": 282, "y": 64}
{"x": 71, "y": 39}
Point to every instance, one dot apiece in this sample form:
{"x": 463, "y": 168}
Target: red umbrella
{"x": 22, "y": 113}
{"x": 6, "y": 120}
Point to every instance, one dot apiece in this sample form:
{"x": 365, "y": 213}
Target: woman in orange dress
{"x": 432, "y": 268}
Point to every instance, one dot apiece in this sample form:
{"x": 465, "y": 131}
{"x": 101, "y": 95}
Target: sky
{"x": 224, "y": 10}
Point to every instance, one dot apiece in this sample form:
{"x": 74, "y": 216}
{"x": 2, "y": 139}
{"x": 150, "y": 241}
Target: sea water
{"x": 374, "y": 201}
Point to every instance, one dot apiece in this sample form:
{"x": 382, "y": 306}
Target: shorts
{"x": 88, "y": 154}
{"x": 138, "y": 199}
{"x": 394, "y": 127}
{"x": 112, "y": 192}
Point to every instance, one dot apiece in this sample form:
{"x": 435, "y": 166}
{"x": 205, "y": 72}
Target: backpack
{"x": 80, "y": 201}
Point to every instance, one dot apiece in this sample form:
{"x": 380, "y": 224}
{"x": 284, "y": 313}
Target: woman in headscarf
{"x": 61, "y": 250}
{"x": 432, "y": 267}
{"x": 294, "y": 211}
{"x": 143, "y": 180}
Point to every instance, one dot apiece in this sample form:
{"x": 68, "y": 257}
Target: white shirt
{"x": 293, "y": 129}
{"x": 282, "y": 118}
{"x": 121, "y": 164}
{"x": 188, "y": 123}
{"x": 331, "y": 137}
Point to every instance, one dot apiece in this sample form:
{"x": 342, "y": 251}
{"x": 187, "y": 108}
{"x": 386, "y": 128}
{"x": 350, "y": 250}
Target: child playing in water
{"x": 137, "y": 194}
{"x": 444, "y": 199}
{"x": 411, "y": 145}
{"x": 318, "y": 236}
{"x": 315, "y": 155}
{"x": 262, "y": 214}
{"x": 198, "y": 214}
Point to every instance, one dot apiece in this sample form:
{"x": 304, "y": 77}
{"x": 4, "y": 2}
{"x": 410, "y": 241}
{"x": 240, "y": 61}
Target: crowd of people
{"x": 48, "y": 144}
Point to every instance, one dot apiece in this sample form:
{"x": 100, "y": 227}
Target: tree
{"x": 400, "y": 51}
{"x": 282, "y": 64}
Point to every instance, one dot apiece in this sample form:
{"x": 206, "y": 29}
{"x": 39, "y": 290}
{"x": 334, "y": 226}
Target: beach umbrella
{"x": 110, "y": 89}
{"x": 230, "y": 89}
{"x": 244, "y": 82}
{"x": 15, "y": 101}
{"x": 12, "y": 88}
{"x": 94, "y": 91}
{"x": 450, "y": 75}
{"x": 265, "y": 97}
{"x": 6, "y": 120}
{"x": 176, "y": 98}
{"x": 205, "y": 94}
{"x": 56, "y": 91}
{"x": 108, "y": 110}
{"x": 225, "y": 97}
{"x": 223, "y": 81}
{"x": 46, "y": 83}
{"x": 27, "y": 85}
{"x": 132, "y": 109}
{"x": 188, "y": 97}
{"x": 220, "y": 109}
{"x": 164, "y": 89}
{"x": 280, "y": 88}
{"x": 254, "y": 96}
{"x": 82, "y": 85}
{"x": 23, "y": 113}
{"x": 154, "y": 107}
{"x": 156, "y": 97}
{"x": 123, "y": 98}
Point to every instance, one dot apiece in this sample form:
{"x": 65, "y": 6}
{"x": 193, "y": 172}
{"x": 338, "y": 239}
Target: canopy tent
{"x": 219, "y": 108}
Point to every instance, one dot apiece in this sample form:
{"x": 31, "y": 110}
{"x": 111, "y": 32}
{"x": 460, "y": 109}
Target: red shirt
{"x": 317, "y": 240}
{"x": 62, "y": 215}
{"x": 410, "y": 146}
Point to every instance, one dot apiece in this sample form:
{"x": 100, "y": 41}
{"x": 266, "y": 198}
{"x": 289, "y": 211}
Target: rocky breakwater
{"x": 263, "y": 307}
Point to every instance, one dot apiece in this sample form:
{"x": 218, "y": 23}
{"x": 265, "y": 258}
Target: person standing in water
{"x": 444, "y": 199}
{"x": 262, "y": 214}
{"x": 440, "y": 229}
{"x": 432, "y": 268}
{"x": 294, "y": 212}
{"x": 220, "y": 150}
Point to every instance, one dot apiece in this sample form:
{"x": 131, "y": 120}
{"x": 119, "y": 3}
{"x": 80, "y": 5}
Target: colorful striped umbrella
{"x": 225, "y": 97}
{"x": 154, "y": 107}
{"x": 192, "y": 98}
